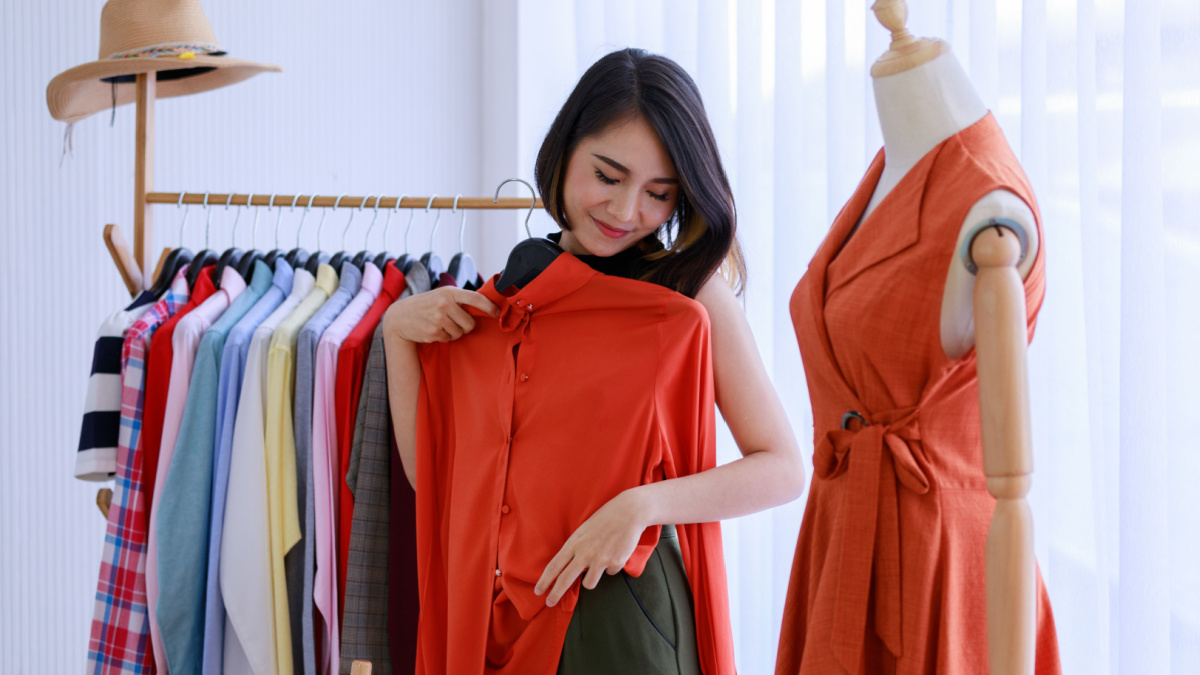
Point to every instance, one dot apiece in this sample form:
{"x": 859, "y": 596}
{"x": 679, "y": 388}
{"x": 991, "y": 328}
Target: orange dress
{"x": 584, "y": 386}
{"x": 889, "y": 567}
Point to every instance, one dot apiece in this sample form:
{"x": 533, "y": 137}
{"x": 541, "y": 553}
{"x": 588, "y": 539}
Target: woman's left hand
{"x": 603, "y": 543}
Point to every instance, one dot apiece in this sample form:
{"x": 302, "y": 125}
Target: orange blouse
{"x": 586, "y": 385}
{"x": 889, "y": 568}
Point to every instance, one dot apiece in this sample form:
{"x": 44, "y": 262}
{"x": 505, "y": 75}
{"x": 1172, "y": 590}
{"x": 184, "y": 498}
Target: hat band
{"x": 169, "y": 49}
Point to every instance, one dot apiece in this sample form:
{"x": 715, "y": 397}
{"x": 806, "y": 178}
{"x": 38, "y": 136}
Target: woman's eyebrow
{"x": 619, "y": 167}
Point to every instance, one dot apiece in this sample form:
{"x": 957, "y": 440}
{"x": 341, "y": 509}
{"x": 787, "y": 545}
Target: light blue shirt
{"x": 229, "y": 389}
{"x": 184, "y": 509}
{"x": 301, "y": 560}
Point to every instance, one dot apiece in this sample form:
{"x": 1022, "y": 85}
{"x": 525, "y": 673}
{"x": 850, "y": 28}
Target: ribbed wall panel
{"x": 378, "y": 97}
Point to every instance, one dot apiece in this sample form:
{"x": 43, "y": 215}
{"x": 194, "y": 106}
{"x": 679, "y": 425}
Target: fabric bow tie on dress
{"x": 872, "y": 523}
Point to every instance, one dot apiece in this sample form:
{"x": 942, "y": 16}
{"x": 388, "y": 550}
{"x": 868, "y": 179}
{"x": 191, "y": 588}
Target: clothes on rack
{"x": 120, "y": 624}
{"x": 229, "y": 387}
{"x": 402, "y": 598}
{"x": 352, "y": 361}
{"x": 326, "y": 463}
{"x": 185, "y": 510}
{"x": 245, "y": 571}
{"x": 283, "y": 483}
{"x": 217, "y": 608}
{"x": 367, "y": 631}
{"x": 185, "y": 342}
{"x": 369, "y": 477}
{"x": 349, "y": 283}
{"x": 96, "y": 458}
{"x": 158, "y": 384}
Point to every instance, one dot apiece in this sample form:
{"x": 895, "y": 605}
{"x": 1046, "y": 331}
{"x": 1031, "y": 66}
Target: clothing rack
{"x": 370, "y": 202}
{"x": 130, "y": 265}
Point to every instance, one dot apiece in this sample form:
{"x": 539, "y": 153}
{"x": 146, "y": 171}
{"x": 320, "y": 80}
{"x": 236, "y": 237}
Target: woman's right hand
{"x": 437, "y": 315}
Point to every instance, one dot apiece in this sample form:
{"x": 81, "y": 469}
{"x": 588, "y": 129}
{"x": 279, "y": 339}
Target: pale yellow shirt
{"x": 281, "y": 451}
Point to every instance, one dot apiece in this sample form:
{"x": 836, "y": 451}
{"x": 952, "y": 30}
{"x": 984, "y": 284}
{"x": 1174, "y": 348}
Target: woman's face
{"x": 620, "y": 186}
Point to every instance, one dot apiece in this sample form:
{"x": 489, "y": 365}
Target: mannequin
{"x": 923, "y": 97}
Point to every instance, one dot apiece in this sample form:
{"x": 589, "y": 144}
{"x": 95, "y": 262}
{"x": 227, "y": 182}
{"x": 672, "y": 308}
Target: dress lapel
{"x": 815, "y": 280}
{"x": 875, "y": 241}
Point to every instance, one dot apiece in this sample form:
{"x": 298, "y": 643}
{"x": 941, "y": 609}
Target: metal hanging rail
{"x": 344, "y": 202}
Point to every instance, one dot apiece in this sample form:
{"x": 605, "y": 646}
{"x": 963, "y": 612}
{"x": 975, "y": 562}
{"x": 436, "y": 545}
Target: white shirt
{"x": 245, "y": 572}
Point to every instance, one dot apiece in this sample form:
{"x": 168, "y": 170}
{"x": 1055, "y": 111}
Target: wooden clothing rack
{"x": 131, "y": 265}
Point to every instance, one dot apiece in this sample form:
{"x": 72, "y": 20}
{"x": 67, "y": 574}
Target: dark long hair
{"x": 701, "y": 233}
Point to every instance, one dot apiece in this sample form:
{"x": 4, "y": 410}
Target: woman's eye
{"x": 605, "y": 179}
{"x": 661, "y": 198}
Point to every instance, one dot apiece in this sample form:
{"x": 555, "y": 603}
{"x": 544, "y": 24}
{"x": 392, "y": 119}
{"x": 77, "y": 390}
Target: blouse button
{"x": 504, "y": 509}
{"x": 497, "y": 571}
{"x": 529, "y": 307}
{"x": 524, "y": 377}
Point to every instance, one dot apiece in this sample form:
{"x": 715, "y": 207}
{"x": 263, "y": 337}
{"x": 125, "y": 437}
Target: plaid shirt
{"x": 365, "y": 619}
{"x": 120, "y": 638}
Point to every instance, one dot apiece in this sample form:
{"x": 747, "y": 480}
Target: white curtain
{"x": 1100, "y": 99}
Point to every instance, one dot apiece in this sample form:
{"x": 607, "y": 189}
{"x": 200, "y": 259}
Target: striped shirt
{"x": 96, "y": 458}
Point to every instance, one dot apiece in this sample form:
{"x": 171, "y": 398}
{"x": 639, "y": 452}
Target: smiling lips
{"x": 608, "y": 231}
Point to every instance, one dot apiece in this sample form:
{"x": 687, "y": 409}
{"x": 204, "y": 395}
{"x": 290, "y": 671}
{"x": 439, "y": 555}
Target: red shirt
{"x": 585, "y": 386}
{"x": 351, "y": 366}
{"x": 158, "y": 380}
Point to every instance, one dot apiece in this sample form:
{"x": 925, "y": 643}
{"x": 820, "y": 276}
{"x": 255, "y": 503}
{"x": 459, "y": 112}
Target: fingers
{"x": 568, "y": 577}
{"x": 438, "y": 315}
{"x": 461, "y": 318}
{"x": 553, "y": 569}
{"x": 450, "y": 331}
{"x": 477, "y": 300}
{"x": 593, "y": 577}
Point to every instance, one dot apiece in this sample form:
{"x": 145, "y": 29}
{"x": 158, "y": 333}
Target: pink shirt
{"x": 184, "y": 343}
{"x": 326, "y": 463}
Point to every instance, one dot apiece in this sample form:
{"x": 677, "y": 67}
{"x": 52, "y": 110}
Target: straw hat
{"x": 170, "y": 37}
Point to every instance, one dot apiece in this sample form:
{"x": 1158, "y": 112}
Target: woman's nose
{"x": 624, "y": 205}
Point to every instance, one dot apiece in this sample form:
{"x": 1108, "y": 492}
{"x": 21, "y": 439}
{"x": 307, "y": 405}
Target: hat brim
{"x": 83, "y": 90}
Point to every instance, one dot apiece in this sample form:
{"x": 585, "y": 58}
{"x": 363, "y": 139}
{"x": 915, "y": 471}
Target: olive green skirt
{"x": 636, "y": 625}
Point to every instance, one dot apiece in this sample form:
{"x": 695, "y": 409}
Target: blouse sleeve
{"x": 685, "y": 400}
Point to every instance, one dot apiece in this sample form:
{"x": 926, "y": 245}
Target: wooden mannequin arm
{"x": 1000, "y": 343}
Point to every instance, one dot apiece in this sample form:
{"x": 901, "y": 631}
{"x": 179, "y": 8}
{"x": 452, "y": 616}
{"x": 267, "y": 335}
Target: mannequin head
{"x": 631, "y": 160}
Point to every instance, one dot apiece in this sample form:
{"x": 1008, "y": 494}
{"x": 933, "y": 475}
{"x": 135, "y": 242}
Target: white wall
{"x": 374, "y": 97}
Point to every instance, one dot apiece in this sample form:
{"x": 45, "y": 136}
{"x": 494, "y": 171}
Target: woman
{"x": 630, "y": 162}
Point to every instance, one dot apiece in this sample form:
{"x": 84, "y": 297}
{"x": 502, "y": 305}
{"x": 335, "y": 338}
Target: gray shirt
{"x": 300, "y": 562}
